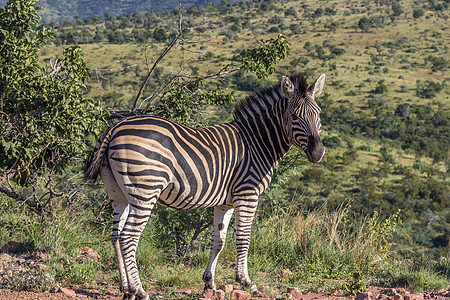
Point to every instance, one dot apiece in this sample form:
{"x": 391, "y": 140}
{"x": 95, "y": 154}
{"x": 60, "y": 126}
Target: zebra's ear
{"x": 287, "y": 87}
{"x": 317, "y": 87}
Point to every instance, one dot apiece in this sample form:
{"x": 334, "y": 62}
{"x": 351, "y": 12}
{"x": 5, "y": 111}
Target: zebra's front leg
{"x": 245, "y": 212}
{"x": 222, "y": 217}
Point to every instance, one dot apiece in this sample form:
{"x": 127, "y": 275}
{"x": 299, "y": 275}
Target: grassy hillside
{"x": 385, "y": 109}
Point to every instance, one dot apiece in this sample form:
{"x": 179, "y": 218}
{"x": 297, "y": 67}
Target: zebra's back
{"x": 186, "y": 167}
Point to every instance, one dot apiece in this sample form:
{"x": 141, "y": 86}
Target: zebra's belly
{"x": 180, "y": 196}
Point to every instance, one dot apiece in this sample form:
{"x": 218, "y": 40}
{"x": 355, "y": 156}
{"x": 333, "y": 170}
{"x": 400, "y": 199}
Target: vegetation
{"x": 375, "y": 211}
{"x": 44, "y": 117}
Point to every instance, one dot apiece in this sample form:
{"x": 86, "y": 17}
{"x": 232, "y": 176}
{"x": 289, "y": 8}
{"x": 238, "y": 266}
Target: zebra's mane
{"x": 265, "y": 99}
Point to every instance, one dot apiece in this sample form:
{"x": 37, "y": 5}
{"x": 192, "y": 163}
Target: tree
{"x": 160, "y": 35}
{"x": 381, "y": 88}
{"x": 44, "y": 117}
{"x": 396, "y": 8}
{"x": 418, "y": 12}
{"x": 364, "y": 24}
{"x": 428, "y": 88}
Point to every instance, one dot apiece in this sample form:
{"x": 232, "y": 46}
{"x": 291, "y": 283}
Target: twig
{"x": 163, "y": 54}
{"x": 222, "y": 72}
{"x": 155, "y": 95}
{"x": 180, "y": 33}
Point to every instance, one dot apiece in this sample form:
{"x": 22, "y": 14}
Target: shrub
{"x": 36, "y": 281}
{"x": 381, "y": 88}
{"x": 331, "y": 142}
{"x": 418, "y": 12}
{"x": 428, "y": 88}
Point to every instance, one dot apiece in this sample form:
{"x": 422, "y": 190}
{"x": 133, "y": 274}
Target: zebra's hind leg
{"x": 120, "y": 208}
{"x": 128, "y": 241}
{"x": 222, "y": 216}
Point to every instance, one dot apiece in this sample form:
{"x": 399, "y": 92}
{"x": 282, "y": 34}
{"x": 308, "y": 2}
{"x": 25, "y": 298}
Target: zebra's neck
{"x": 263, "y": 131}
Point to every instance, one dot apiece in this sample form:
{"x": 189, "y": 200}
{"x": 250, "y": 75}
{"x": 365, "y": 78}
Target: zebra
{"x": 145, "y": 160}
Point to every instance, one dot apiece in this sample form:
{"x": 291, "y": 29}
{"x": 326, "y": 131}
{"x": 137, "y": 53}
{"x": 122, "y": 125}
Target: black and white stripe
{"x": 145, "y": 160}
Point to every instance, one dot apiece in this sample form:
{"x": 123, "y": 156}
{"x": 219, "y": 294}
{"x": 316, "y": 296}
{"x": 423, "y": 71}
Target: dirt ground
{"x": 13, "y": 263}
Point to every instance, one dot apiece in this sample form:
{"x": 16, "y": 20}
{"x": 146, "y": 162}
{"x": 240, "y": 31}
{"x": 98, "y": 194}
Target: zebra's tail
{"x": 97, "y": 158}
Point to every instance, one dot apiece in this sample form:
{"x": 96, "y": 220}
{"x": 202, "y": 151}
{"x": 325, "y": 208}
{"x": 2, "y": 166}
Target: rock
{"x": 286, "y": 273}
{"x": 214, "y": 294}
{"x": 240, "y": 295}
{"x": 183, "y": 291}
{"x": 390, "y": 291}
{"x": 311, "y": 296}
{"x": 90, "y": 254}
{"x": 398, "y": 296}
{"x": 20, "y": 260}
{"x": 402, "y": 291}
{"x": 294, "y": 291}
{"x": 68, "y": 292}
{"x": 40, "y": 256}
{"x": 364, "y": 296}
{"x": 227, "y": 288}
{"x": 260, "y": 294}
{"x": 10, "y": 247}
{"x": 5, "y": 258}
{"x": 413, "y": 297}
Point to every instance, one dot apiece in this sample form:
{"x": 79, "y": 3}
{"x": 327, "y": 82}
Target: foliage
{"x": 330, "y": 243}
{"x": 44, "y": 117}
{"x": 381, "y": 88}
{"x": 428, "y": 88}
{"x": 188, "y": 230}
{"x": 36, "y": 281}
{"x": 314, "y": 246}
{"x": 77, "y": 272}
{"x": 416, "y": 275}
{"x": 276, "y": 197}
{"x": 418, "y": 12}
{"x": 185, "y": 103}
{"x": 261, "y": 60}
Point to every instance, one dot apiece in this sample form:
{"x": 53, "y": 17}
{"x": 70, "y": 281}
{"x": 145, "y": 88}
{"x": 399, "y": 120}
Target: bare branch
{"x": 55, "y": 69}
{"x": 223, "y": 72}
{"x": 152, "y": 98}
{"x": 163, "y": 54}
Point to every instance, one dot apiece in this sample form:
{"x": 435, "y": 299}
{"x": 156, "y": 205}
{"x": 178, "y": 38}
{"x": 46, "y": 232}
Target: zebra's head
{"x": 304, "y": 114}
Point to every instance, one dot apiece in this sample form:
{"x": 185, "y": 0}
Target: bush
{"x": 418, "y": 12}
{"x": 381, "y": 88}
{"x": 36, "y": 281}
{"x": 428, "y": 88}
{"x": 331, "y": 142}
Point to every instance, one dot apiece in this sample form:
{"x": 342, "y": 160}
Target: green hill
{"x": 385, "y": 110}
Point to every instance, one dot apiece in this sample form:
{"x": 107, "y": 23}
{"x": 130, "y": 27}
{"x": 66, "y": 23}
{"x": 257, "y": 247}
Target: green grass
{"x": 325, "y": 251}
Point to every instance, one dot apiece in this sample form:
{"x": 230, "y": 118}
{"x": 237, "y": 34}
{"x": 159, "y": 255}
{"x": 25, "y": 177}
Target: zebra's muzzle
{"x": 315, "y": 149}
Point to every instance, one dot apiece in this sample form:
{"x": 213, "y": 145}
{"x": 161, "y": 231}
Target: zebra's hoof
{"x": 136, "y": 297}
